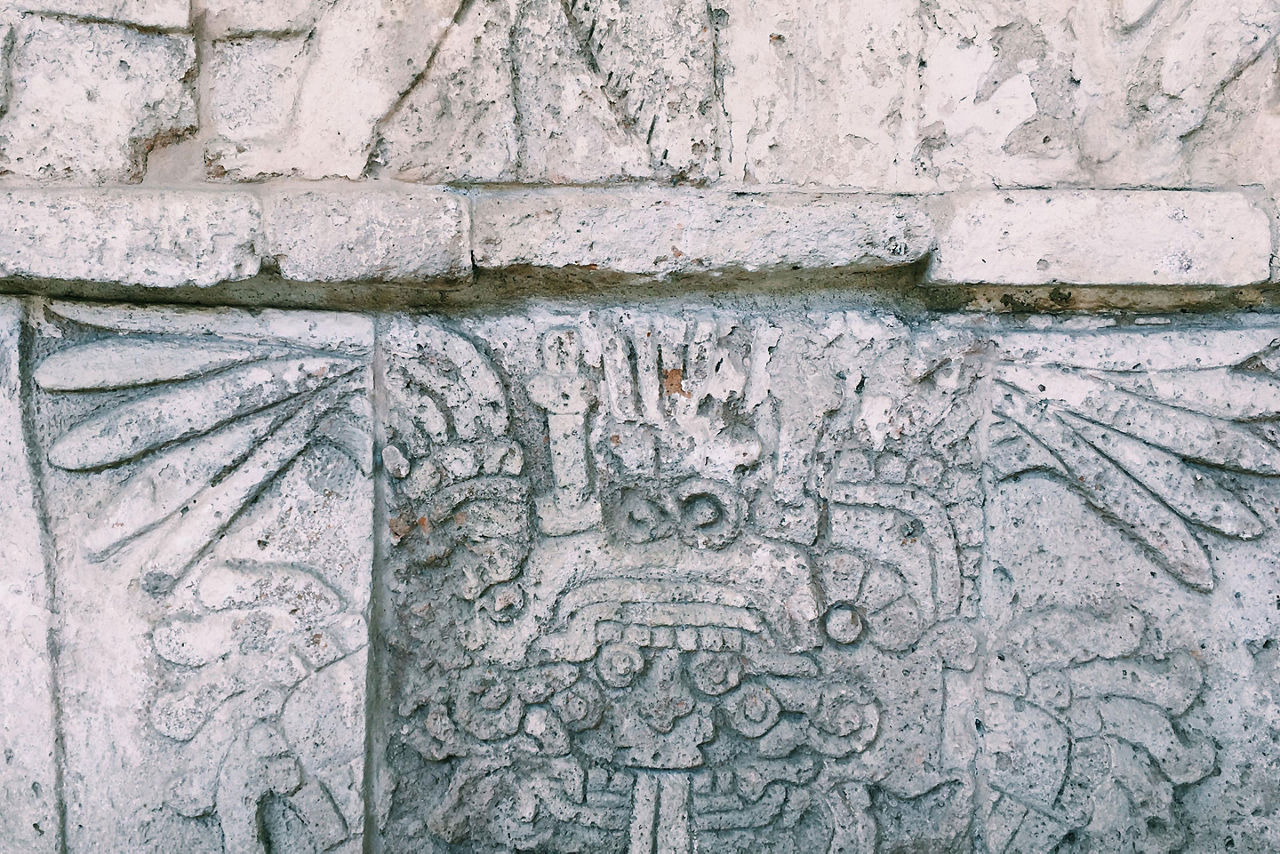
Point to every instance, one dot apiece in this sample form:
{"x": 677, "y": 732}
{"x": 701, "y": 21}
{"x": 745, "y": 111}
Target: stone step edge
{"x": 331, "y": 233}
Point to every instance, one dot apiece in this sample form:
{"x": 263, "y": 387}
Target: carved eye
{"x": 753, "y": 711}
{"x": 580, "y": 705}
{"x": 709, "y": 512}
{"x": 641, "y": 519}
{"x": 843, "y": 623}
{"x": 503, "y": 602}
{"x": 619, "y": 664}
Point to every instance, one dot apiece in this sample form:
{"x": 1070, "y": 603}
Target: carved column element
{"x": 566, "y": 396}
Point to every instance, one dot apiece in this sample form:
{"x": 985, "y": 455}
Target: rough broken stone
{"x": 28, "y": 777}
{"x": 207, "y": 479}
{"x": 346, "y": 235}
{"x": 1034, "y": 237}
{"x": 821, "y": 93}
{"x": 657, "y": 233}
{"x": 360, "y": 58}
{"x": 88, "y": 101}
{"x": 157, "y": 238}
{"x": 252, "y": 84}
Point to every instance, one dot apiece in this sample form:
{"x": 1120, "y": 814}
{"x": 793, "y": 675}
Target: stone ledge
{"x": 337, "y": 235}
{"x": 134, "y": 236}
{"x": 663, "y": 232}
{"x": 125, "y": 239}
{"x": 1090, "y": 237}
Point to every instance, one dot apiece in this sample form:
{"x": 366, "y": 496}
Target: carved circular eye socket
{"x": 753, "y": 711}
{"x": 709, "y": 512}
{"x": 715, "y": 673}
{"x": 503, "y": 602}
{"x": 640, "y": 519}
{"x": 580, "y": 705}
{"x": 843, "y": 623}
{"x": 619, "y": 664}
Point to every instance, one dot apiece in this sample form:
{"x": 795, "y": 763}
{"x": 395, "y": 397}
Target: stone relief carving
{"x": 1155, "y": 436}
{"x": 652, "y": 579}
{"x": 650, "y": 592}
{"x": 491, "y": 79}
{"x": 706, "y": 621}
{"x": 182, "y": 428}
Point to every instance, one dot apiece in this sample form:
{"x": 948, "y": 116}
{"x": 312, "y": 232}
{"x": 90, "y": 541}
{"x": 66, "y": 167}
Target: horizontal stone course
{"x": 154, "y": 238}
{"x": 663, "y": 231}
{"x": 1080, "y": 237}
{"x": 346, "y": 235}
{"x": 328, "y": 232}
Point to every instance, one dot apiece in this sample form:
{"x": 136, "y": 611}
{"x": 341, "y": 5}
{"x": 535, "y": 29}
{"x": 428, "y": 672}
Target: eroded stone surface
{"x": 338, "y": 235}
{"x": 657, "y": 577}
{"x": 656, "y": 593}
{"x": 155, "y": 14}
{"x": 707, "y": 579}
{"x": 88, "y": 101}
{"x": 28, "y": 777}
{"x": 207, "y": 474}
{"x": 1102, "y": 238}
{"x": 663, "y": 232}
{"x": 157, "y": 238}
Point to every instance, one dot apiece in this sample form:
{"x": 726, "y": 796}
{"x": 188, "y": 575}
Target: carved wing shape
{"x": 208, "y": 425}
{"x": 1156, "y": 446}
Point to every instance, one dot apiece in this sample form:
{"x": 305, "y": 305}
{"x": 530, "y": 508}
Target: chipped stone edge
{"x": 632, "y": 231}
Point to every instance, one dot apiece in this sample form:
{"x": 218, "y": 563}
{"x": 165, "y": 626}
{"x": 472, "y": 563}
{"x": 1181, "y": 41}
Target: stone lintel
{"x": 662, "y": 232}
{"x": 1092, "y": 237}
{"x": 332, "y": 232}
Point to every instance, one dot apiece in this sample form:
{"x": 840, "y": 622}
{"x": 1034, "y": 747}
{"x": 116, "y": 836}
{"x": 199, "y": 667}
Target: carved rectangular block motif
{"x": 754, "y": 574}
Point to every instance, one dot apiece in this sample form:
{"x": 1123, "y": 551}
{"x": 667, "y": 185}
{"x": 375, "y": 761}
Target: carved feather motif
{"x": 209, "y": 424}
{"x": 1157, "y": 448}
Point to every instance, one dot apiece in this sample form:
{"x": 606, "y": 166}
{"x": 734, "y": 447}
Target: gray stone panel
{"x": 28, "y": 774}
{"x": 207, "y": 479}
{"x": 642, "y": 577}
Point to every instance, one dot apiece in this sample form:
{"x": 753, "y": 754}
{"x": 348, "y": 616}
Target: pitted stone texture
{"x": 663, "y": 232}
{"x": 231, "y": 18}
{"x": 1132, "y": 582}
{"x": 352, "y": 234}
{"x": 1102, "y": 238}
{"x": 88, "y": 101}
{"x": 679, "y": 580}
{"x": 252, "y": 84}
{"x": 28, "y": 778}
{"x": 822, "y": 93}
{"x": 660, "y": 577}
{"x": 155, "y": 238}
{"x": 360, "y": 58}
{"x": 153, "y": 14}
{"x": 207, "y": 479}
{"x": 652, "y": 577}
{"x": 537, "y": 90}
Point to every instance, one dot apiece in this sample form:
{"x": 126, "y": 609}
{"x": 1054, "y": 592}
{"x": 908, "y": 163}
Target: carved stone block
{"x": 732, "y": 574}
{"x": 712, "y": 579}
{"x": 206, "y": 475}
{"x": 661, "y": 580}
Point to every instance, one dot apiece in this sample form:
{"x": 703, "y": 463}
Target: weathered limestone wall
{"x": 507, "y": 425}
